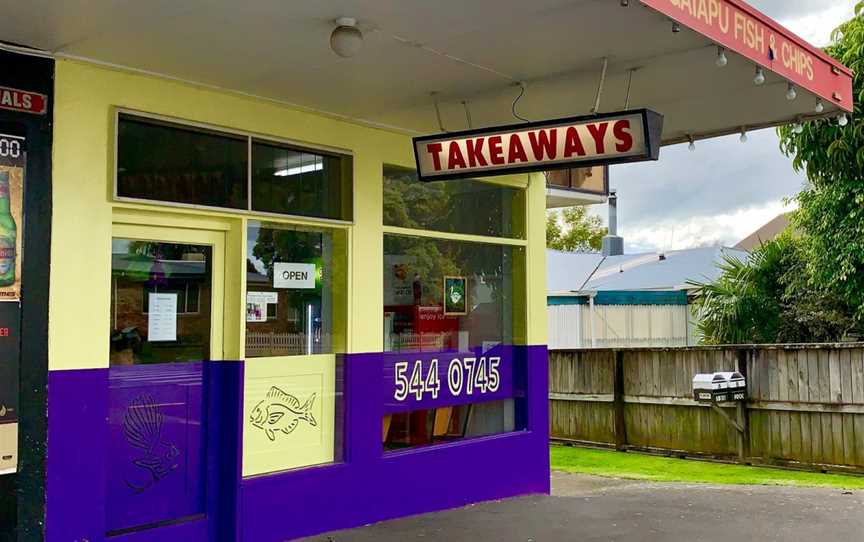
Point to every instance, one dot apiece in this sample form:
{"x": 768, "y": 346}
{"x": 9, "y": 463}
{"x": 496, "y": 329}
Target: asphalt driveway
{"x": 586, "y": 508}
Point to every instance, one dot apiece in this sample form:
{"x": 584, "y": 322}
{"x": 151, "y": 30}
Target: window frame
{"x": 234, "y": 133}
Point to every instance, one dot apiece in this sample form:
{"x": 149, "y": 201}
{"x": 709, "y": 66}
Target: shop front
{"x": 262, "y": 321}
{"x": 291, "y": 319}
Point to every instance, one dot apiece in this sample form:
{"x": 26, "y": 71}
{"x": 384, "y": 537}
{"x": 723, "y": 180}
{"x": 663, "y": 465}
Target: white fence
{"x": 275, "y": 344}
{"x": 619, "y": 326}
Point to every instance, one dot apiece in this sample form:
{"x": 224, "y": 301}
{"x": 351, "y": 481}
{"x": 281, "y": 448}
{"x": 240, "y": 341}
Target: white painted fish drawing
{"x": 282, "y": 412}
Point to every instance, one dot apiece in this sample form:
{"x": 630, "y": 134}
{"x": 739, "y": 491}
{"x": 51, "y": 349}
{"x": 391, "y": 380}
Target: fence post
{"x": 618, "y": 398}
{"x": 743, "y": 411}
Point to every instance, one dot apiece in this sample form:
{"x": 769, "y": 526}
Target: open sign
{"x": 294, "y": 275}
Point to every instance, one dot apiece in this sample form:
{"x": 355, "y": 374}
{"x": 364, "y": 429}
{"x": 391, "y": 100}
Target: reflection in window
{"x": 593, "y": 180}
{"x": 450, "y": 295}
{"x": 447, "y": 424}
{"x": 167, "y": 162}
{"x": 296, "y": 283}
{"x": 466, "y": 206}
{"x": 174, "y": 277}
{"x": 299, "y": 182}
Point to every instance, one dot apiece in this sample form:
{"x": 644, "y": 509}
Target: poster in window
{"x": 455, "y": 296}
{"x": 12, "y": 160}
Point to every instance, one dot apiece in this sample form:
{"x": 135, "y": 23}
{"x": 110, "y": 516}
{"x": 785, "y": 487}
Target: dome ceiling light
{"x": 346, "y": 39}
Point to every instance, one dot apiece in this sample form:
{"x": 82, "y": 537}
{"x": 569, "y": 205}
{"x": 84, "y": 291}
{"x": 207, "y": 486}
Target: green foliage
{"x": 831, "y": 214}
{"x": 574, "y": 230}
{"x": 769, "y": 298}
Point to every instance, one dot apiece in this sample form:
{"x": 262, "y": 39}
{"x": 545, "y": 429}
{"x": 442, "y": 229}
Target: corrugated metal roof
{"x": 568, "y": 271}
{"x": 629, "y": 272}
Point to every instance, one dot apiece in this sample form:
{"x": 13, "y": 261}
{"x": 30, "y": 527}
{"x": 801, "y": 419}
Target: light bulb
{"x": 843, "y": 120}
{"x": 676, "y": 28}
{"x": 721, "y": 58}
{"x": 798, "y": 129}
{"x": 820, "y": 107}
{"x": 791, "y": 93}
{"x": 625, "y": 3}
{"x": 759, "y": 79}
{"x": 692, "y": 145}
{"x": 743, "y": 138}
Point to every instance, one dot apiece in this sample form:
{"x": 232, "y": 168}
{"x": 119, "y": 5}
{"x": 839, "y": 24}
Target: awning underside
{"x": 464, "y": 51}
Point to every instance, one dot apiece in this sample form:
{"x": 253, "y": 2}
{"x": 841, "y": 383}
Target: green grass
{"x": 664, "y": 469}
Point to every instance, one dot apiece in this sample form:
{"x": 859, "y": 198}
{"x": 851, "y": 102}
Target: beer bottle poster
{"x": 12, "y": 160}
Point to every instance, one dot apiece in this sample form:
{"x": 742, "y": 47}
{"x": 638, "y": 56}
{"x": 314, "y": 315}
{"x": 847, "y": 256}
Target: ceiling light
{"x": 297, "y": 170}
{"x": 820, "y": 107}
{"x": 721, "y": 58}
{"x": 743, "y": 138}
{"x": 346, "y": 38}
{"x": 791, "y": 92}
{"x": 843, "y": 120}
{"x": 798, "y": 128}
{"x": 759, "y": 79}
{"x": 676, "y": 27}
{"x": 625, "y": 3}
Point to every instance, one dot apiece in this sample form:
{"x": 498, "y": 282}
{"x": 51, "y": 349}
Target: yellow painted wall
{"x": 86, "y": 99}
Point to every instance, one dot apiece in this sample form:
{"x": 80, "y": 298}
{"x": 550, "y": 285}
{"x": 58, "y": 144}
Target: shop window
{"x": 464, "y": 206}
{"x": 152, "y": 284}
{"x": 174, "y": 163}
{"x": 296, "y": 288}
{"x": 296, "y": 303}
{"x": 299, "y": 182}
{"x": 448, "y": 424}
{"x": 167, "y": 162}
{"x": 446, "y": 295}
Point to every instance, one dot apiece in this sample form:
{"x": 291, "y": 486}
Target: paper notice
{"x": 163, "y": 318}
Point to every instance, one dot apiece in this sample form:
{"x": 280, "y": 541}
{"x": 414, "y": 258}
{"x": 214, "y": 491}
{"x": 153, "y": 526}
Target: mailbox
{"x": 719, "y": 387}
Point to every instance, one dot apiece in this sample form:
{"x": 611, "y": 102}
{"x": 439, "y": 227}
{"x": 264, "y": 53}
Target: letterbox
{"x": 719, "y": 387}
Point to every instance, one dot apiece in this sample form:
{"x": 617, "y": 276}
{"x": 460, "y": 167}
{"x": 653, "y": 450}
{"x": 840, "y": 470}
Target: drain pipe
{"x": 591, "y": 311}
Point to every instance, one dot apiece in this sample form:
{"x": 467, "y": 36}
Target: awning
{"x": 660, "y": 54}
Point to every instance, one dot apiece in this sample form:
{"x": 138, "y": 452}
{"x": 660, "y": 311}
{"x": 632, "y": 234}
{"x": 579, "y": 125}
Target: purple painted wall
{"x": 372, "y": 486}
{"x": 368, "y": 486}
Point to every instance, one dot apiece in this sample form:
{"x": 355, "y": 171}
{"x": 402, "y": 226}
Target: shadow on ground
{"x": 587, "y": 508}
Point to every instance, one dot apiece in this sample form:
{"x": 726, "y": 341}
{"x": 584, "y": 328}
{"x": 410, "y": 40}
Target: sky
{"x": 730, "y": 199}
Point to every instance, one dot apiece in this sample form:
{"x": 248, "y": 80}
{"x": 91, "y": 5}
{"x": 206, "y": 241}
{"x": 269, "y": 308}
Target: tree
{"x": 769, "y": 298}
{"x": 831, "y": 206}
{"x": 574, "y": 230}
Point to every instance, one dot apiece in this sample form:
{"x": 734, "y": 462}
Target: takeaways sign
{"x": 612, "y": 138}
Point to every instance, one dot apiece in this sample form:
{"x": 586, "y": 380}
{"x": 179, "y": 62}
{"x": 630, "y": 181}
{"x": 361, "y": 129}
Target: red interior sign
{"x": 21, "y": 100}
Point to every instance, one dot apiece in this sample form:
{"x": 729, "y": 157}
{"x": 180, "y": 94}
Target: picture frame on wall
{"x": 455, "y": 296}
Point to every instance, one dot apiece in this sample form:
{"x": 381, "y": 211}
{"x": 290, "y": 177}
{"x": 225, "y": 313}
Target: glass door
{"x": 166, "y": 324}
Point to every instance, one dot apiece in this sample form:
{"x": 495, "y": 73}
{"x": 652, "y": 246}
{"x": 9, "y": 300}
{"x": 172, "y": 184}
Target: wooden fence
{"x": 806, "y": 403}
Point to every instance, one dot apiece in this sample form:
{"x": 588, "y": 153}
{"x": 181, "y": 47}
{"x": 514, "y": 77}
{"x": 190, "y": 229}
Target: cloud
{"x": 791, "y": 9}
{"x": 724, "y": 229}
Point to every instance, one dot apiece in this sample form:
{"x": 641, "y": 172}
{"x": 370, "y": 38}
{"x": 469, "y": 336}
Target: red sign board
{"x": 23, "y": 101}
{"x": 735, "y": 25}
{"x": 611, "y": 138}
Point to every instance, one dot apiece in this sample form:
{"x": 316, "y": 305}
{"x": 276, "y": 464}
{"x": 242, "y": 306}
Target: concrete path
{"x": 586, "y": 508}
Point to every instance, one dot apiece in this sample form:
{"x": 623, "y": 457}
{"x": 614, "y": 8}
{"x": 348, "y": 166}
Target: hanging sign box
{"x": 610, "y": 138}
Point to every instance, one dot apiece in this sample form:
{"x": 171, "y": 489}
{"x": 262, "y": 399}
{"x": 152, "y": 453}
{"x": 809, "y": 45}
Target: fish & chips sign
{"x": 629, "y": 136}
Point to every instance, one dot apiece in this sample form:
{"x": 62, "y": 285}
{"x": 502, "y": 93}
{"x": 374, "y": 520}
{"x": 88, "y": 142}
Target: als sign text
{"x": 629, "y": 136}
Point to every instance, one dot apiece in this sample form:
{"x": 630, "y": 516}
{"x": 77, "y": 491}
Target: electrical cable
{"x": 516, "y": 102}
